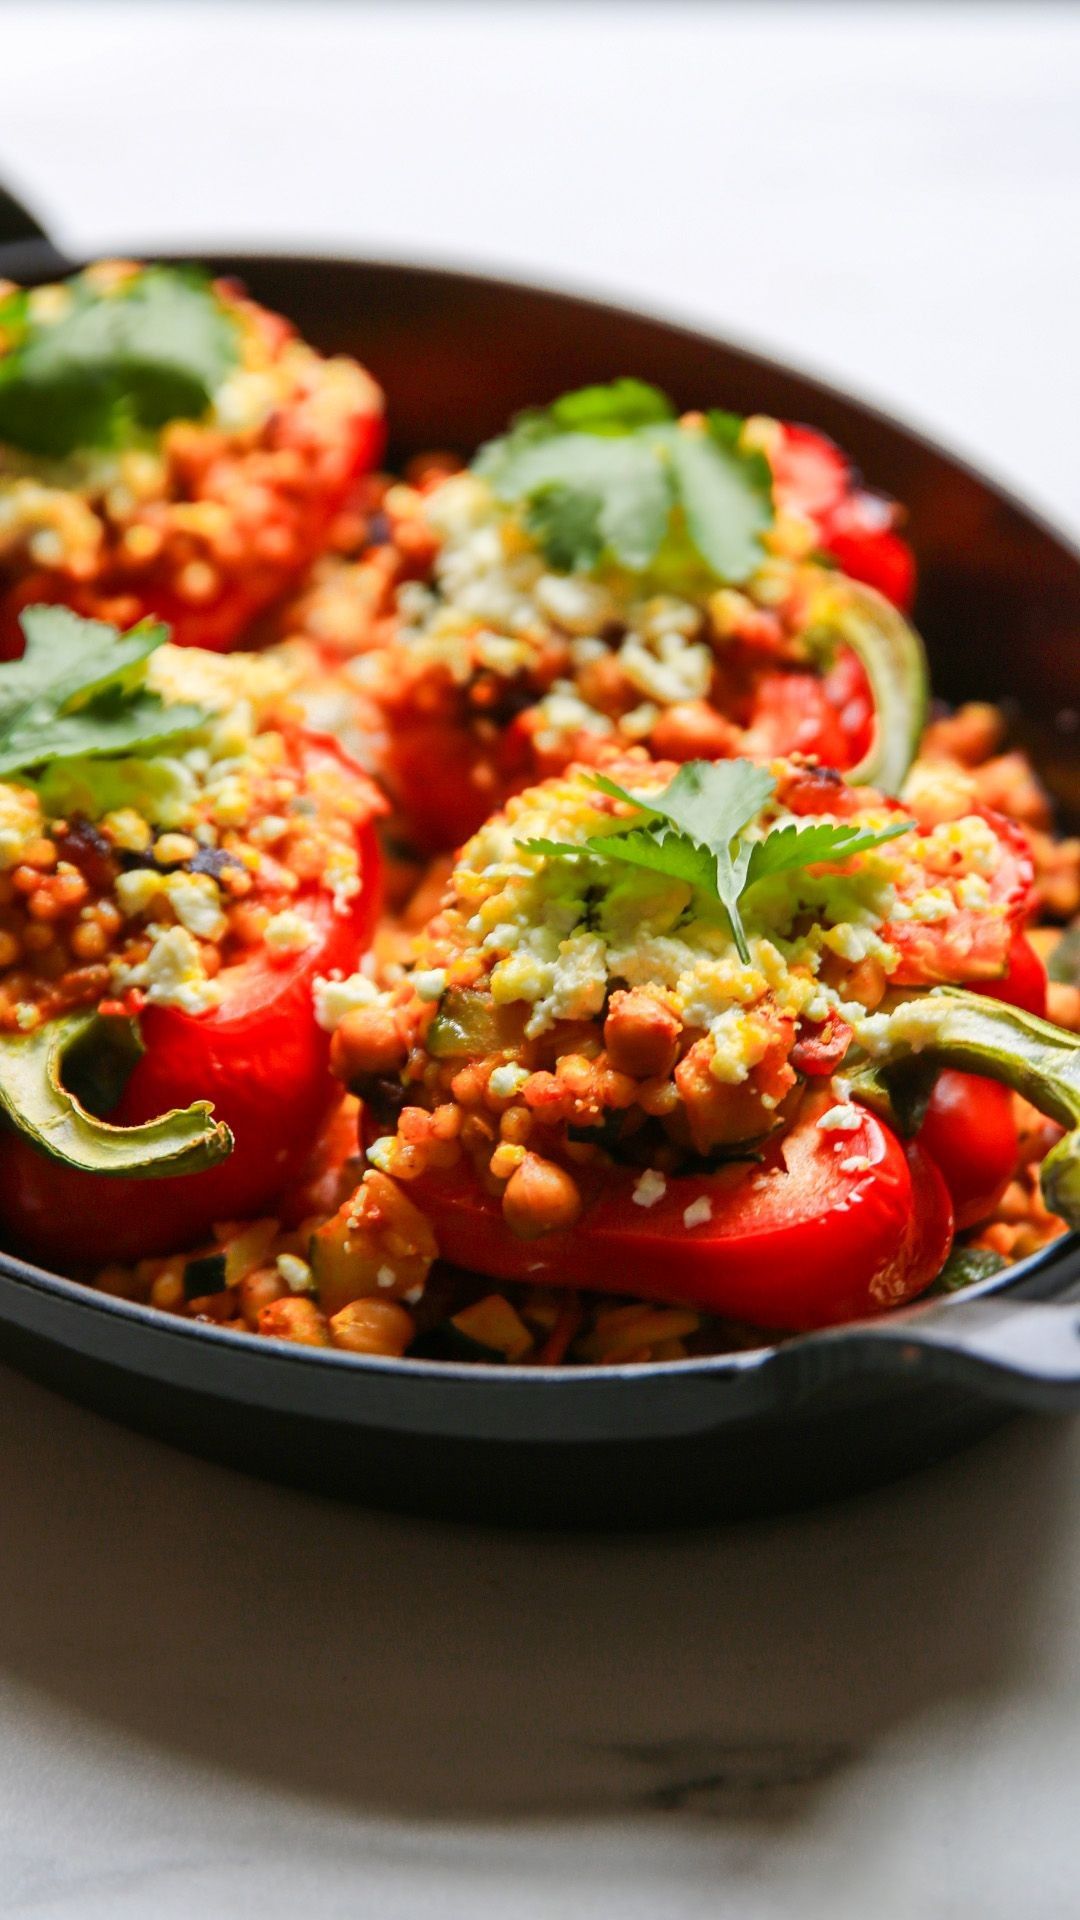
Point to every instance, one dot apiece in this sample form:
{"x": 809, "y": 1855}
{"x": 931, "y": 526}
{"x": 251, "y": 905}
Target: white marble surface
{"x": 222, "y": 1699}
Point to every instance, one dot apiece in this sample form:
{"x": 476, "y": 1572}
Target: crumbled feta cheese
{"x": 841, "y": 1119}
{"x": 649, "y": 1187}
{"x": 172, "y": 975}
{"x": 334, "y": 998}
{"x": 381, "y": 1153}
{"x": 288, "y": 932}
{"x": 698, "y": 1213}
{"x": 855, "y": 1163}
{"x": 295, "y": 1272}
{"x": 506, "y": 1080}
{"x": 429, "y": 983}
{"x": 579, "y": 606}
{"x": 135, "y": 891}
{"x": 195, "y": 899}
{"x": 910, "y": 1027}
{"x": 740, "y": 1040}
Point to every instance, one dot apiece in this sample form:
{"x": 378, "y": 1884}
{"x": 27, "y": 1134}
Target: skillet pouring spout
{"x": 1023, "y": 1354}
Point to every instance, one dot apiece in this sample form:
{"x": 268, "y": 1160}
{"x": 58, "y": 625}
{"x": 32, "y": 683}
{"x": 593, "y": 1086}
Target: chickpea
{"x": 540, "y": 1198}
{"x": 372, "y": 1326}
{"x": 692, "y": 730}
{"x": 88, "y": 941}
{"x": 295, "y": 1319}
{"x": 641, "y": 1035}
{"x": 867, "y": 983}
{"x": 258, "y": 1290}
{"x": 167, "y": 1291}
{"x": 367, "y": 1041}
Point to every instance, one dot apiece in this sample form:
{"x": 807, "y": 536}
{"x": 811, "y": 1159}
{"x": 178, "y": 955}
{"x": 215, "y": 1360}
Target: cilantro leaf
{"x": 786, "y": 849}
{"x": 708, "y": 803}
{"x": 709, "y": 800}
{"x": 112, "y": 364}
{"x": 726, "y": 495}
{"x": 620, "y": 407}
{"x": 693, "y": 831}
{"x": 623, "y": 474}
{"x": 79, "y": 690}
{"x": 666, "y": 852}
{"x": 622, "y": 446}
{"x": 565, "y": 522}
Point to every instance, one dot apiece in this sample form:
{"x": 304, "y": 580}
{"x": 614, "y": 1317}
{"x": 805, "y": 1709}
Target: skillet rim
{"x": 756, "y": 1361}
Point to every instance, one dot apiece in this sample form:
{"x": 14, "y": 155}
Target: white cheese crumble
{"x": 649, "y": 1187}
{"x": 855, "y": 1163}
{"x": 334, "y": 998}
{"x": 698, "y": 1214}
{"x": 843, "y": 1119}
{"x": 288, "y": 932}
{"x": 295, "y": 1272}
{"x": 506, "y": 1080}
{"x": 172, "y": 974}
{"x": 429, "y": 983}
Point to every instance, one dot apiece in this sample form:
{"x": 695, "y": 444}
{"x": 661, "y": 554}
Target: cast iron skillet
{"x": 722, "y": 1436}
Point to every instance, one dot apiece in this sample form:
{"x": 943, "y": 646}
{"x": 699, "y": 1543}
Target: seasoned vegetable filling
{"x": 137, "y": 877}
{"x": 581, "y": 976}
{"x": 167, "y": 447}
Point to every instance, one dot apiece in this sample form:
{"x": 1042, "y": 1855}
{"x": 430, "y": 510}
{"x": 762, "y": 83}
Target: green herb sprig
{"x": 693, "y": 830}
{"x": 610, "y": 472}
{"x": 80, "y": 691}
{"x": 113, "y": 364}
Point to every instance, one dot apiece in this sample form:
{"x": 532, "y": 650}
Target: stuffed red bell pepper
{"x": 677, "y": 1033}
{"x": 608, "y": 573}
{"x": 167, "y": 448}
{"x": 179, "y": 863}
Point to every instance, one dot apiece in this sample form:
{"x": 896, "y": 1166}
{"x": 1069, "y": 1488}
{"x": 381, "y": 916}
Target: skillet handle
{"x": 17, "y": 223}
{"x": 1025, "y": 1353}
{"x": 26, "y": 251}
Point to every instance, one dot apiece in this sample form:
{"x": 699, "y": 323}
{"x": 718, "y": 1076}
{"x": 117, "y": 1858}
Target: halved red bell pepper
{"x": 811, "y": 476}
{"x": 259, "y": 1056}
{"x": 831, "y": 1226}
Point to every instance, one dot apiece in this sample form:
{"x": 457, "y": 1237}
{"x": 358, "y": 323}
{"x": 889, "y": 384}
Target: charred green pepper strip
{"x": 37, "y": 1104}
{"x": 892, "y": 656}
{"x": 978, "y": 1035}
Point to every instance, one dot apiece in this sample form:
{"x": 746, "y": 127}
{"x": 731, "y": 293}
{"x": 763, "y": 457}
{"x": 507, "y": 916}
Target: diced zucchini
{"x": 248, "y": 1249}
{"x": 340, "y": 1262}
{"x": 203, "y": 1275}
{"x": 469, "y": 1025}
{"x": 493, "y": 1323}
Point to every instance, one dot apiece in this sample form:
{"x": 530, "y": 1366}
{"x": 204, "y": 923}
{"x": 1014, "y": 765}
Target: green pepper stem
{"x": 956, "y": 1028}
{"x": 892, "y": 654}
{"x": 36, "y": 1103}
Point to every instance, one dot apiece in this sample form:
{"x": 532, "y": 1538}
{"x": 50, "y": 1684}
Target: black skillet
{"x": 1000, "y": 608}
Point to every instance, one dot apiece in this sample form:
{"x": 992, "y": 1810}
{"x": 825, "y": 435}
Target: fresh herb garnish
{"x": 112, "y": 364}
{"x": 565, "y": 522}
{"x": 693, "y": 830}
{"x": 620, "y": 476}
{"x": 80, "y": 691}
{"x": 725, "y": 492}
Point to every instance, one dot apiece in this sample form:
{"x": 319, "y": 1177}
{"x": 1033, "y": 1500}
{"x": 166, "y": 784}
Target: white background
{"x": 219, "y": 1699}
